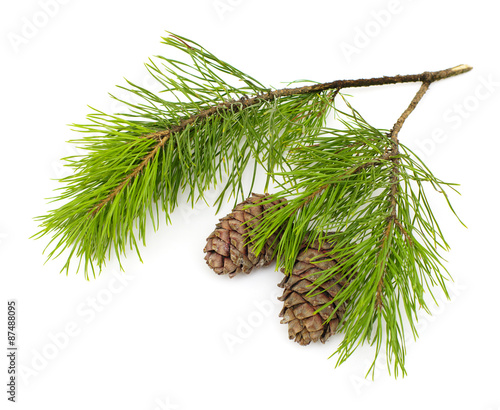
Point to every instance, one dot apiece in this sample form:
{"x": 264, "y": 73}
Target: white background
{"x": 157, "y": 339}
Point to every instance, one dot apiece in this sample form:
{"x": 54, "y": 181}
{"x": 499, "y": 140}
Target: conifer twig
{"x": 356, "y": 186}
{"x": 393, "y": 134}
{"x": 244, "y": 102}
{"x": 359, "y": 188}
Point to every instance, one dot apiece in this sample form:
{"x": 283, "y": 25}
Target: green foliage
{"x": 339, "y": 189}
{"x": 351, "y": 185}
{"x": 196, "y": 158}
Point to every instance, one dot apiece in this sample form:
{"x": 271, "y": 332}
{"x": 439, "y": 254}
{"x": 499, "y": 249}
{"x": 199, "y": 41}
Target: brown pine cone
{"x": 227, "y": 249}
{"x": 303, "y": 324}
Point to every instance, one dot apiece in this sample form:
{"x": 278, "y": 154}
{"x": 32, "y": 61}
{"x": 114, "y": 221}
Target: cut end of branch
{"x": 462, "y": 68}
{"x": 450, "y": 72}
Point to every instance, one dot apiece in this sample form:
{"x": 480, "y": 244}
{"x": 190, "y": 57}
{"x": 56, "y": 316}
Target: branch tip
{"x": 462, "y": 68}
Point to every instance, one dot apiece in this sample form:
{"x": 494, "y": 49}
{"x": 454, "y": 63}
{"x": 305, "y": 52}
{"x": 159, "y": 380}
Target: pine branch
{"x": 393, "y": 220}
{"x": 139, "y": 160}
{"x": 361, "y": 189}
{"x": 245, "y": 102}
{"x": 136, "y": 162}
{"x": 356, "y": 186}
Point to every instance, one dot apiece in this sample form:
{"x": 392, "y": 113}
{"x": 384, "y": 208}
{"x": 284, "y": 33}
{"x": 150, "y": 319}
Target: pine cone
{"x": 227, "y": 251}
{"x": 303, "y": 324}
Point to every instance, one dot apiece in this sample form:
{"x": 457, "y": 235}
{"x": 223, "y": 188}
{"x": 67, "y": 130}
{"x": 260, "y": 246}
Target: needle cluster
{"x": 349, "y": 186}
